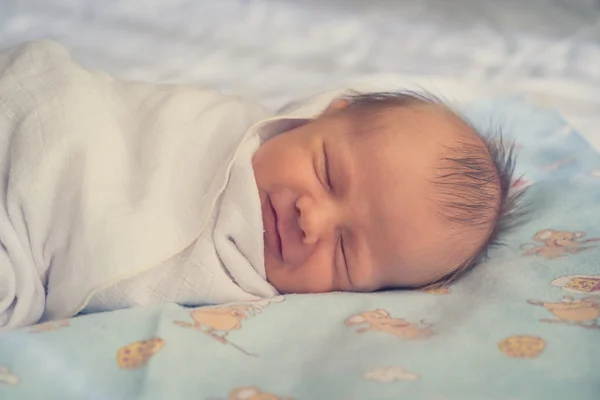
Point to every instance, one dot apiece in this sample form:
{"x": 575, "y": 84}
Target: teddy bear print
{"x": 380, "y": 321}
{"x": 218, "y": 322}
{"x": 436, "y": 290}
{"x": 557, "y": 244}
{"x": 7, "y": 377}
{"x": 390, "y": 375}
{"x": 49, "y": 326}
{"x": 251, "y": 393}
{"x": 582, "y": 312}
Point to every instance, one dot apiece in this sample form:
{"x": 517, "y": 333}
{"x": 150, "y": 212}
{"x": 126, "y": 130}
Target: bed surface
{"x": 523, "y": 326}
{"x": 277, "y": 49}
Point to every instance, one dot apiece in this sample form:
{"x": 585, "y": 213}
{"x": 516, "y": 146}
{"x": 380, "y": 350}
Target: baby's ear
{"x": 336, "y": 105}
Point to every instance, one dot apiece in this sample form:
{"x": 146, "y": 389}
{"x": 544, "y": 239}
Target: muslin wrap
{"x": 104, "y": 181}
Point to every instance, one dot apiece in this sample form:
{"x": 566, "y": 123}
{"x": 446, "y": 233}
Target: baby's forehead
{"x": 423, "y": 127}
{"x": 436, "y": 156}
{"x": 436, "y": 122}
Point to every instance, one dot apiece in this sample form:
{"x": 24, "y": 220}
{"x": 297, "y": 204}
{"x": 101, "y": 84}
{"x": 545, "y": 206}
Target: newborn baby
{"x": 120, "y": 194}
{"x": 382, "y": 190}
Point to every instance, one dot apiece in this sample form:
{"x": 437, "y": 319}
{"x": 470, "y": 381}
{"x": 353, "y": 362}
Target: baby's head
{"x": 382, "y": 190}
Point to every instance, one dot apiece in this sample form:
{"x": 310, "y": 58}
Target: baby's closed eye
{"x": 326, "y": 169}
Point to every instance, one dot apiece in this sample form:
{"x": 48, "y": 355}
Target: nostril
{"x": 301, "y": 229}
{"x": 304, "y": 224}
{"x": 299, "y": 205}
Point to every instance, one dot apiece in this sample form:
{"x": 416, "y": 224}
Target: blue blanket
{"x": 524, "y": 325}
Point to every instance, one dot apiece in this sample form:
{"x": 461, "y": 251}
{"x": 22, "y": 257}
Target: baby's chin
{"x": 279, "y": 275}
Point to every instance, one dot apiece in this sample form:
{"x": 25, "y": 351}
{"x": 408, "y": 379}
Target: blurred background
{"x": 280, "y": 49}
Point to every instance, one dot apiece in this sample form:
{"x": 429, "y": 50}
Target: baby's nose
{"x": 314, "y": 220}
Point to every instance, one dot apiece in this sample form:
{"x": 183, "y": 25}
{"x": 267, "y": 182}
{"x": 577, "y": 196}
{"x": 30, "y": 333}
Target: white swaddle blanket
{"x": 103, "y": 180}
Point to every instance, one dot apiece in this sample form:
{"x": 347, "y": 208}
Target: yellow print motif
{"x": 380, "y": 321}
{"x": 7, "y": 377}
{"x": 522, "y": 346}
{"x": 251, "y": 393}
{"x": 557, "y": 244}
{"x": 218, "y": 322}
{"x": 583, "y": 312}
{"x": 49, "y": 326}
{"x": 136, "y": 355}
{"x": 582, "y": 284}
{"x": 437, "y": 290}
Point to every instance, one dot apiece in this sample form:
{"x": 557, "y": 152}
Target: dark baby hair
{"x": 473, "y": 179}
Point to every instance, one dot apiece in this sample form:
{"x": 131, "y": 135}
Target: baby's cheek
{"x": 318, "y": 272}
{"x": 314, "y": 276}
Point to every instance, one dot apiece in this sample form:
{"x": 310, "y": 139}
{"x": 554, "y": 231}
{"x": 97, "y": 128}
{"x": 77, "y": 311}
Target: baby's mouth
{"x": 272, "y": 230}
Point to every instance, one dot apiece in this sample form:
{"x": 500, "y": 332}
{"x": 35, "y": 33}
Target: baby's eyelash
{"x": 326, "y": 166}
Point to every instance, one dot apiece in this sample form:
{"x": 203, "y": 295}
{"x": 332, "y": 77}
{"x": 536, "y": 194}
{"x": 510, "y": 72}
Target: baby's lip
{"x": 273, "y": 238}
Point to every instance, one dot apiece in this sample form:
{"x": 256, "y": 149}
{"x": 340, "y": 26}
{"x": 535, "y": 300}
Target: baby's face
{"x": 349, "y": 208}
